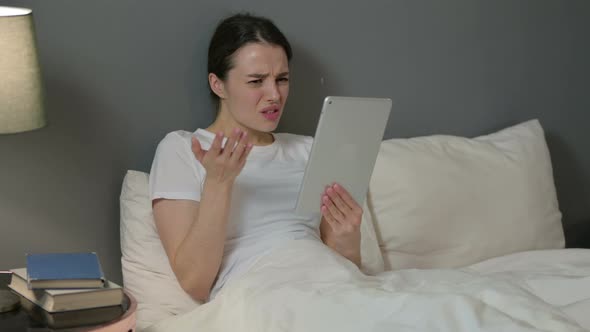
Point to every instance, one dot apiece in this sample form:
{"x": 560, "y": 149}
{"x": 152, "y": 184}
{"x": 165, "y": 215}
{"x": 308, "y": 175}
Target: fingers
{"x": 197, "y": 149}
{"x": 340, "y": 206}
{"x": 241, "y": 149}
{"x": 216, "y": 145}
{"x": 337, "y": 200}
{"x": 334, "y": 211}
{"x": 347, "y": 198}
{"x": 229, "y": 147}
{"x": 334, "y": 224}
{"x": 235, "y": 150}
{"x": 244, "y": 156}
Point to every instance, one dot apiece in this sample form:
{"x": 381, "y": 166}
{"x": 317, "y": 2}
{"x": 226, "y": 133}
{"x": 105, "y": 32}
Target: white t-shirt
{"x": 263, "y": 198}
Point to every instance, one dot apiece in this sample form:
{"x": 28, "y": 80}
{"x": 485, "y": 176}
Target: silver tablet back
{"x": 344, "y": 150}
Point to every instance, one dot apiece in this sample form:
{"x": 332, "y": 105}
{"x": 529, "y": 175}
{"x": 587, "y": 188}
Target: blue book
{"x": 64, "y": 270}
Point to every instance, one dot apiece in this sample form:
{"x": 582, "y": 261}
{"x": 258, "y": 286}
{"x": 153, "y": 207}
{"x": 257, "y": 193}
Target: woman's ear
{"x": 216, "y": 85}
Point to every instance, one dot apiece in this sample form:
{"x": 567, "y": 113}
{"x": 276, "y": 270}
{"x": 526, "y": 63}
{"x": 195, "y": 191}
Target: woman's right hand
{"x": 224, "y": 164}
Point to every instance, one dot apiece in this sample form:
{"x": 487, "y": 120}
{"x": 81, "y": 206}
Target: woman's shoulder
{"x": 181, "y": 138}
{"x": 177, "y": 136}
{"x": 177, "y": 140}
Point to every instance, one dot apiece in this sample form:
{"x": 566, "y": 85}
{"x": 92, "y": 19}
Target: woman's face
{"x": 256, "y": 88}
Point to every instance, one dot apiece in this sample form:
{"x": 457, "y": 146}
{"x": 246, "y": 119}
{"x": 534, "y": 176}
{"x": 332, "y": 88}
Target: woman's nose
{"x": 273, "y": 92}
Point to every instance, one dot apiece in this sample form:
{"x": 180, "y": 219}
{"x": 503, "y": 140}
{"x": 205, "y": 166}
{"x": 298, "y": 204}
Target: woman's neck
{"x": 226, "y": 123}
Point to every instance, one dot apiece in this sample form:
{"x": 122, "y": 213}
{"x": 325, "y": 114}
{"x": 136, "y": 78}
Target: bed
{"x": 458, "y": 234}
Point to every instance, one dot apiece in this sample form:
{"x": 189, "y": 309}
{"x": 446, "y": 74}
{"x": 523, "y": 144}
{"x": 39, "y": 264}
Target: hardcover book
{"x": 57, "y": 300}
{"x": 71, "y": 319}
{"x": 64, "y": 270}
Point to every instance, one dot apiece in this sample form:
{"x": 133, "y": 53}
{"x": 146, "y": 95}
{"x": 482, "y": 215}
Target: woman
{"x": 224, "y": 195}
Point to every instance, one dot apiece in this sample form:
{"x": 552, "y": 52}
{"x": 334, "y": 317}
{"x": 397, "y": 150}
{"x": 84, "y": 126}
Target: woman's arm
{"x": 340, "y": 225}
{"x": 193, "y": 236}
{"x": 193, "y": 233}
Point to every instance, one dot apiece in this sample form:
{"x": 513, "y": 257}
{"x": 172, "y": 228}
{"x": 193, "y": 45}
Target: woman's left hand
{"x": 340, "y": 226}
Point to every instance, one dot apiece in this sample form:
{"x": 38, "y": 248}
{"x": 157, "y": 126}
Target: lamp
{"x": 21, "y": 90}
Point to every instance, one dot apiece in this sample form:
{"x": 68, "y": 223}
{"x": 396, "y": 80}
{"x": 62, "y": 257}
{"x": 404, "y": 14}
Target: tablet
{"x": 344, "y": 149}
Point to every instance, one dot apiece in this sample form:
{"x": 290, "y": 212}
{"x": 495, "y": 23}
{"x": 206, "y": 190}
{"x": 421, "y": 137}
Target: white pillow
{"x": 147, "y": 274}
{"x": 446, "y": 201}
{"x": 372, "y": 261}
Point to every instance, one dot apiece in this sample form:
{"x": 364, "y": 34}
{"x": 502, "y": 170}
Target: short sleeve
{"x": 175, "y": 172}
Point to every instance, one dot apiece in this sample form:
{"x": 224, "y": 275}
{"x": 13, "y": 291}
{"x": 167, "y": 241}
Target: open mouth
{"x": 271, "y": 113}
{"x": 271, "y": 110}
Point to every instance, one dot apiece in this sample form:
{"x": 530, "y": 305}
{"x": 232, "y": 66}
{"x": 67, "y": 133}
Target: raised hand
{"x": 223, "y": 164}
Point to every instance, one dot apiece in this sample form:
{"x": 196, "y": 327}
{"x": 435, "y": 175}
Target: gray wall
{"x": 121, "y": 74}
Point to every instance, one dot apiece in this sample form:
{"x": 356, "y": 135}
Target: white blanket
{"x": 305, "y": 286}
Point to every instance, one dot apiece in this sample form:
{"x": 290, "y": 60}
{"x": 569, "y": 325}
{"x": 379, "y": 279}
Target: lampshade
{"x": 21, "y": 90}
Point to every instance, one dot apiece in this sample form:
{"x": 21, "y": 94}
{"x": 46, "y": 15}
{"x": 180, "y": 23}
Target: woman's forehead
{"x": 254, "y": 57}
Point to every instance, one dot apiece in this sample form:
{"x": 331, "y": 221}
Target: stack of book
{"x": 67, "y": 289}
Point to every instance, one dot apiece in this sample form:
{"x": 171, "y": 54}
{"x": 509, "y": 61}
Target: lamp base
{"x": 8, "y": 301}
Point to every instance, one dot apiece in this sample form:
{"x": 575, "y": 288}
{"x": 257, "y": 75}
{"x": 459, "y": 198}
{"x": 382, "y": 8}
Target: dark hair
{"x": 236, "y": 31}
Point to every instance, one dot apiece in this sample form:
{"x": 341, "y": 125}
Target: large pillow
{"x": 147, "y": 274}
{"x": 446, "y": 201}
